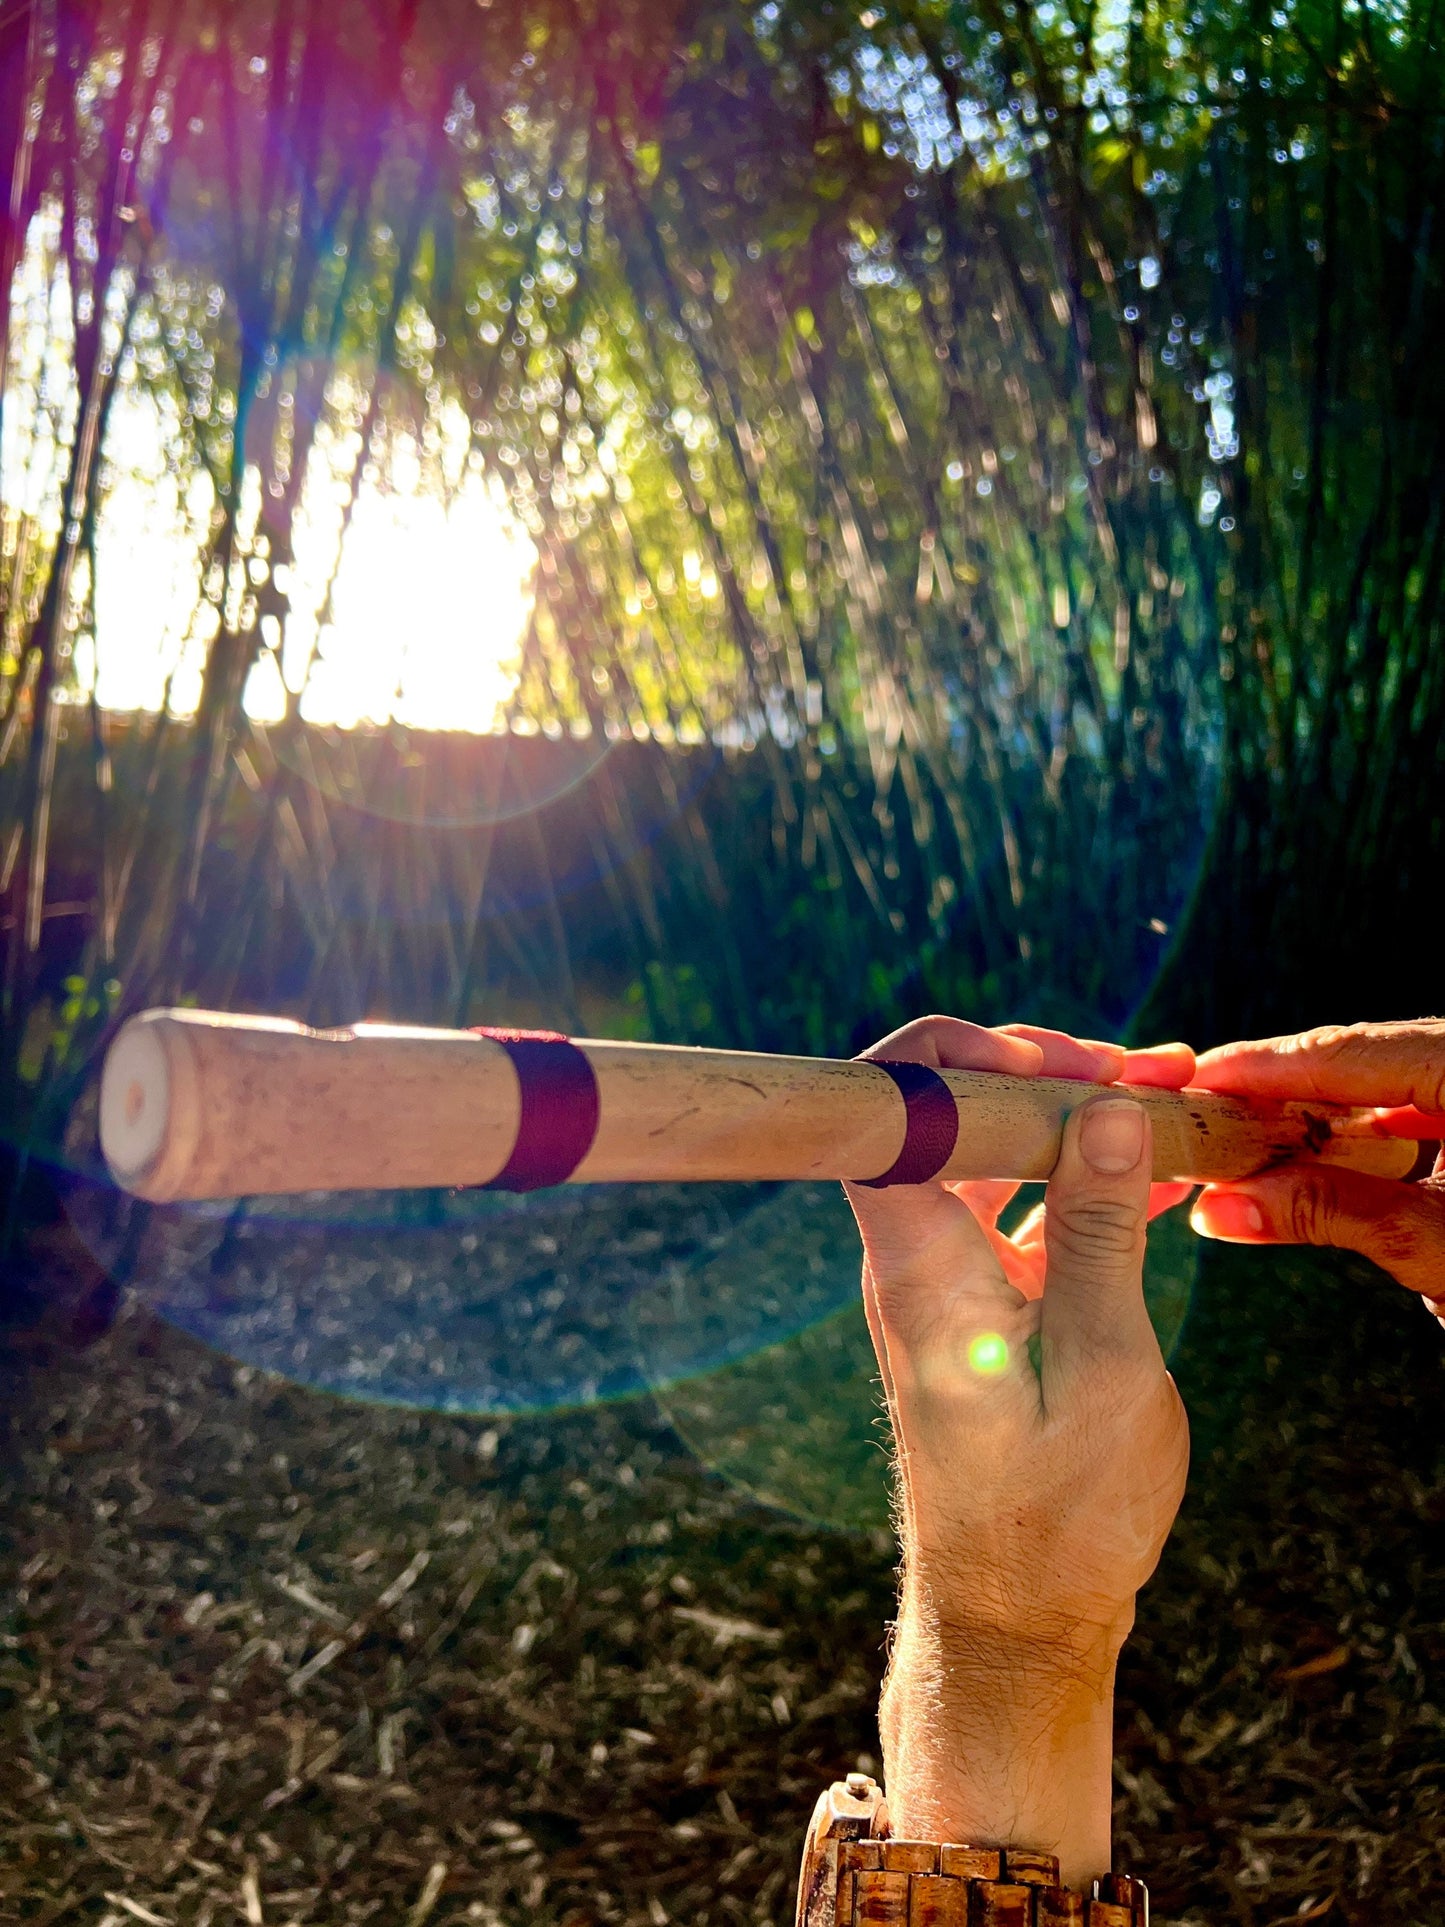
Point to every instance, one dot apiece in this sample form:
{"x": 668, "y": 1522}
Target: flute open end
{"x": 135, "y": 1104}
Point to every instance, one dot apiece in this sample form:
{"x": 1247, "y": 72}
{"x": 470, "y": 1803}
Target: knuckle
{"x": 916, "y": 1041}
{"x": 1095, "y": 1234}
{"x": 1416, "y": 1050}
{"x": 1329, "y": 1041}
{"x": 1411, "y": 1240}
{"x": 930, "y": 1025}
{"x": 1311, "y": 1212}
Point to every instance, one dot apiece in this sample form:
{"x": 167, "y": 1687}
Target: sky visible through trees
{"x": 424, "y": 619}
{"x": 1014, "y": 428}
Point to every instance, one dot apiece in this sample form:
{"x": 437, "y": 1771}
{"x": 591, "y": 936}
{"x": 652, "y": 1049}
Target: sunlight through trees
{"x": 1011, "y": 429}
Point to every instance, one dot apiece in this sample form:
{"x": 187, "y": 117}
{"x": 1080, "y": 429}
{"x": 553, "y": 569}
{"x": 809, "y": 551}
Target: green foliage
{"x": 83, "y": 1005}
{"x": 669, "y": 1001}
{"x": 51, "y": 1030}
{"x": 1003, "y": 424}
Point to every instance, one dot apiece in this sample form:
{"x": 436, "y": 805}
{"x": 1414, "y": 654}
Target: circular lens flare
{"x": 988, "y": 1354}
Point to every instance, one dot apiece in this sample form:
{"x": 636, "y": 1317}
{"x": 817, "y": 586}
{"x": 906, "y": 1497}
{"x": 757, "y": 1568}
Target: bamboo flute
{"x": 199, "y": 1104}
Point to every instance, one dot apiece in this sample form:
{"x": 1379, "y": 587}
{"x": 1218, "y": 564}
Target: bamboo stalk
{"x": 196, "y": 1104}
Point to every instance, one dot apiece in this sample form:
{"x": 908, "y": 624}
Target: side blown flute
{"x": 198, "y": 1104}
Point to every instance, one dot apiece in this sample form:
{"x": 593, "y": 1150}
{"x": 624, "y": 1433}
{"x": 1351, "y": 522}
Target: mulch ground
{"x": 274, "y": 1658}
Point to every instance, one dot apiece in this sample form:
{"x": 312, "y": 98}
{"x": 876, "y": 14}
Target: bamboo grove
{"x": 981, "y": 460}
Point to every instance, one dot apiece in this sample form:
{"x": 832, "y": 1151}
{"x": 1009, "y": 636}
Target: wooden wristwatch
{"x": 855, "y": 1874}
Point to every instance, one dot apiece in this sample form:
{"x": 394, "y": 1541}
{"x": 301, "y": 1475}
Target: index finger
{"x": 922, "y": 1233}
{"x": 1392, "y": 1064}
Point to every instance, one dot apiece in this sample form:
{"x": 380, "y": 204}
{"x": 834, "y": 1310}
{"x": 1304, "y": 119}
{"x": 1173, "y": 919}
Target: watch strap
{"x": 856, "y": 1875}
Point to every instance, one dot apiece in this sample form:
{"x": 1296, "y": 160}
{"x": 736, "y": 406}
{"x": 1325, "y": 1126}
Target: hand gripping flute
{"x": 198, "y": 1104}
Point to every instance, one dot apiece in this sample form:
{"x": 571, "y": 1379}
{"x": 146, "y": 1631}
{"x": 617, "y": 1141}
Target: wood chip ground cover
{"x": 270, "y": 1657}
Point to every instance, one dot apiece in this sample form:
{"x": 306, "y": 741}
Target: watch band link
{"x": 914, "y": 1883}
{"x": 856, "y": 1875}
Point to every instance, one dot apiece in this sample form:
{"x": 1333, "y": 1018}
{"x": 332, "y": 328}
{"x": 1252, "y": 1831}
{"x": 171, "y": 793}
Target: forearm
{"x": 1041, "y": 1451}
{"x": 992, "y": 1740}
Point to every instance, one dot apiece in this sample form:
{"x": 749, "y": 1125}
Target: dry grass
{"x": 273, "y": 1658}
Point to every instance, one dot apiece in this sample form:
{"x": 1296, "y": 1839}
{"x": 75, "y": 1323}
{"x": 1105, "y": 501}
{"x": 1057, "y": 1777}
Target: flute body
{"x": 199, "y": 1104}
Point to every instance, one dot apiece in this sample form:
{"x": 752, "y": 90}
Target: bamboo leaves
{"x": 1028, "y": 419}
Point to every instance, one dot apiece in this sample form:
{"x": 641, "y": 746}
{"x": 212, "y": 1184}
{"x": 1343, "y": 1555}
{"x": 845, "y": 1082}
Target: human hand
{"x": 1399, "y": 1067}
{"x": 1041, "y": 1452}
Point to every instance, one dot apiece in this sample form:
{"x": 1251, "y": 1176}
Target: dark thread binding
{"x": 932, "y": 1128}
{"x": 559, "y": 1113}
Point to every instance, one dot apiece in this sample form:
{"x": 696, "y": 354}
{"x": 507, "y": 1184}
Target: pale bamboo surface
{"x": 198, "y": 1104}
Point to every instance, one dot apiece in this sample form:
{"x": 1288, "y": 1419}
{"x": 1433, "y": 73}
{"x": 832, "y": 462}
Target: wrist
{"x": 1003, "y": 1737}
{"x": 1044, "y": 1647}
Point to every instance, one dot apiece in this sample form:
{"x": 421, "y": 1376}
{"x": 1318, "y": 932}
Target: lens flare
{"x": 734, "y": 1308}
{"x": 988, "y": 1354}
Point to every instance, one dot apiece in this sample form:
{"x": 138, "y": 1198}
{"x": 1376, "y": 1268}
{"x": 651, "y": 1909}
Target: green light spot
{"x": 988, "y": 1354}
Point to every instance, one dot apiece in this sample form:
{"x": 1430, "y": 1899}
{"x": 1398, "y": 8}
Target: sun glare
{"x": 408, "y": 605}
{"x": 412, "y": 609}
{"x": 429, "y": 606}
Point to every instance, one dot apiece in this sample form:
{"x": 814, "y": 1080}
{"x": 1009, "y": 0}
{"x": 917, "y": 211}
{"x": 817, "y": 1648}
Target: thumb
{"x": 1400, "y": 1226}
{"x": 1096, "y": 1212}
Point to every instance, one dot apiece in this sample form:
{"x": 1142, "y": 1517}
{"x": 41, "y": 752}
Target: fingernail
{"x": 1227, "y": 1214}
{"x": 1112, "y": 1136}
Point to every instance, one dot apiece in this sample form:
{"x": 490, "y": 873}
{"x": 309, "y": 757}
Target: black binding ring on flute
{"x": 559, "y": 1112}
{"x": 931, "y": 1130}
